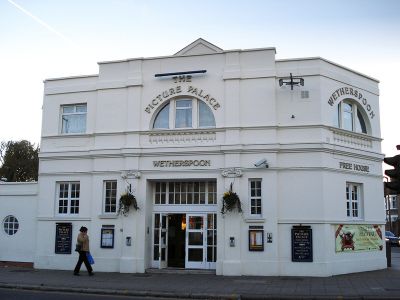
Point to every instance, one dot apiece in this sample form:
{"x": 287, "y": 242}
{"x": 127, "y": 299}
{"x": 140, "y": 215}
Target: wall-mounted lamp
{"x": 261, "y": 163}
{"x": 292, "y": 81}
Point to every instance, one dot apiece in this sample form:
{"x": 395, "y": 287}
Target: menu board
{"x": 302, "y": 244}
{"x": 63, "y": 238}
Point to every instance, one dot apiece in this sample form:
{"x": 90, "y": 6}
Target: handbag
{"x": 78, "y": 247}
{"x": 90, "y": 258}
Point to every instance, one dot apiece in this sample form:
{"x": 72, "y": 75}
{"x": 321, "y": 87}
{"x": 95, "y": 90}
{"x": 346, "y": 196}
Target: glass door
{"x": 195, "y": 241}
{"x": 160, "y": 235}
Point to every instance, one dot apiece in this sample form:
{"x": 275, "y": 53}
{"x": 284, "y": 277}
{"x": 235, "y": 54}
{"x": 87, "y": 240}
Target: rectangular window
{"x": 255, "y": 197}
{"x": 353, "y": 200}
{"x": 182, "y": 193}
{"x": 110, "y": 196}
{"x": 68, "y": 197}
{"x": 73, "y": 118}
{"x": 183, "y": 114}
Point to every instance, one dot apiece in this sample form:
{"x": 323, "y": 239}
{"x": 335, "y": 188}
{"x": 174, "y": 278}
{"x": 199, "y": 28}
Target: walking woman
{"x": 83, "y": 249}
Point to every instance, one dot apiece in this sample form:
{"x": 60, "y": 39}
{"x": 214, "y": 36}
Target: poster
{"x": 63, "y": 239}
{"x": 256, "y": 240}
{"x": 107, "y": 238}
{"x": 302, "y": 246}
{"x": 353, "y": 238}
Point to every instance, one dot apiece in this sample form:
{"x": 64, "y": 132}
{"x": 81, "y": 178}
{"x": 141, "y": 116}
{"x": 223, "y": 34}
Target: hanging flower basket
{"x": 230, "y": 201}
{"x": 125, "y": 202}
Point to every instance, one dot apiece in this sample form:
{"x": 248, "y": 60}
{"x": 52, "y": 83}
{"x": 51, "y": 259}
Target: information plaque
{"x": 63, "y": 238}
{"x": 302, "y": 244}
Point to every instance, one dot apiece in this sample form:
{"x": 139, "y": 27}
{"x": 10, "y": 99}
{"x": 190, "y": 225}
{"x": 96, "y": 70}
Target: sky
{"x": 42, "y": 39}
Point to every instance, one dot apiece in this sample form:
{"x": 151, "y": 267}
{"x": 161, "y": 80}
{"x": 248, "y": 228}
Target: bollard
{"x": 388, "y": 254}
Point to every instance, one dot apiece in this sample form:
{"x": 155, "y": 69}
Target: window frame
{"x": 195, "y": 114}
{"x": 167, "y": 193}
{"x": 69, "y": 199}
{"x": 356, "y": 113}
{"x": 12, "y": 227}
{"x": 105, "y": 182}
{"x": 74, "y": 113}
{"x": 256, "y": 198}
{"x": 350, "y": 186}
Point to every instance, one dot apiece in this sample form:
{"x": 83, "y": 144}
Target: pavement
{"x": 381, "y": 284}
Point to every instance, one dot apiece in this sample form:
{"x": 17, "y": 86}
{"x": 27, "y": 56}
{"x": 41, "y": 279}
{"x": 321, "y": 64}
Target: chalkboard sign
{"x": 302, "y": 244}
{"x": 63, "y": 238}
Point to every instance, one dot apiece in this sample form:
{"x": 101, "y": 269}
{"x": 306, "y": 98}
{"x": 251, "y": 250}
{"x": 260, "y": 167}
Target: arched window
{"x": 349, "y": 116}
{"x": 184, "y": 113}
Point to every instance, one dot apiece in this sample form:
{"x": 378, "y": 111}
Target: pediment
{"x": 199, "y": 46}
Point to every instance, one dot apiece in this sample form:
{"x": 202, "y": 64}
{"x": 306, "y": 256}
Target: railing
{"x": 182, "y": 137}
{"x": 351, "y": 139}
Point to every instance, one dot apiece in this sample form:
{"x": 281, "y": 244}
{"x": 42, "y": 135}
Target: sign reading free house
{"x": 352, "y": 238}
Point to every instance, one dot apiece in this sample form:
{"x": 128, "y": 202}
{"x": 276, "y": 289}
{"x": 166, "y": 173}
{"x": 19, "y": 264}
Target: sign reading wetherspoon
{"x": 356, "y": 95}
{"x": 353, "y": 238}
{"x": 181, "y": 163}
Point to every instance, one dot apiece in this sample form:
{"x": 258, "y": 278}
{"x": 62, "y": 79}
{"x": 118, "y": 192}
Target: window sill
{"x": 253, "y": 219}
{"x": 108, "y": 216}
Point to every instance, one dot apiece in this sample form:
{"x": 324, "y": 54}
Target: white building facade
{"x": 303, "y": 155}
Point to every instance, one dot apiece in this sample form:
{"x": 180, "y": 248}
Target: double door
{"x": 200, "y": 240}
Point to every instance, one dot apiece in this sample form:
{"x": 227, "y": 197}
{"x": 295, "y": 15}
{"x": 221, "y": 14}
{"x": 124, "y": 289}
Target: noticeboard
{"x": 63, "y": 240}
{"x": 302, "y": 244}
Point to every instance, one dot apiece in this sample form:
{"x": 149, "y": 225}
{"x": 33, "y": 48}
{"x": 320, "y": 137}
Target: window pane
{"x": 81, "y": 108}
{"x": 195, "y": 238}
{"x": 73, "y": 118}
{"x": 68, "y": 109}
{"x": 162, "y": 119}
{"x": 255, "y": 197}
{"x": 195, "y": 255}
{"x": 206, "y": 117}
{"x": 74, "y": 123}
{"x": 360, "y": 123}
{"x": 10, "y": 225}
{"x": 347, "y": 116}
{"x": 110, "y": 200}
{"x": 183, "y": 115}
{"x": 195, "y": 222}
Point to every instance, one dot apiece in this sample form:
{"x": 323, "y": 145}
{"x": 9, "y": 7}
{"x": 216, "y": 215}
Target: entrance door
{"x": 195, "y": 241}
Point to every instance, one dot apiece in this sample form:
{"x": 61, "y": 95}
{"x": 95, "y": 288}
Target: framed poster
{"x": 63, "y": 242}
{"x": 302, "y": 246}
{"x": 256, "y": 239}
{"x": 355, "y": 237}
{"x": 107, "y": 237}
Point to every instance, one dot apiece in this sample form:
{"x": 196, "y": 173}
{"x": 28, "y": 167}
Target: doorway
{"x": 185, "y": 240}
{"x": 176, "y": 240}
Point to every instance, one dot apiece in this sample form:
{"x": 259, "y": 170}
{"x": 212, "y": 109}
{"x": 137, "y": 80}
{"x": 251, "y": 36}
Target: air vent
{"x": 305, "y": 94}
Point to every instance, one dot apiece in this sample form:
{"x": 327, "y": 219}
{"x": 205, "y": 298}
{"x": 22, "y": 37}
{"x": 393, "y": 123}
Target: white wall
{"x": 256, "y": 119}
{"x": 18, "y": 200}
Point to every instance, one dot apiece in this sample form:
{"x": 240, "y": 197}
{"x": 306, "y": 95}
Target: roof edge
{"x": 330, "y": 62}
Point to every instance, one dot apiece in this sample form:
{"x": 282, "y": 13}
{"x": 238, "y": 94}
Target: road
{"x": 10, "y": 294}
{"x": 19, "y": 294}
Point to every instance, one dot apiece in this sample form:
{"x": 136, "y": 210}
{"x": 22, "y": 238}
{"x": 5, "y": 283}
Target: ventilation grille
{"x": 305, "y": 94}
